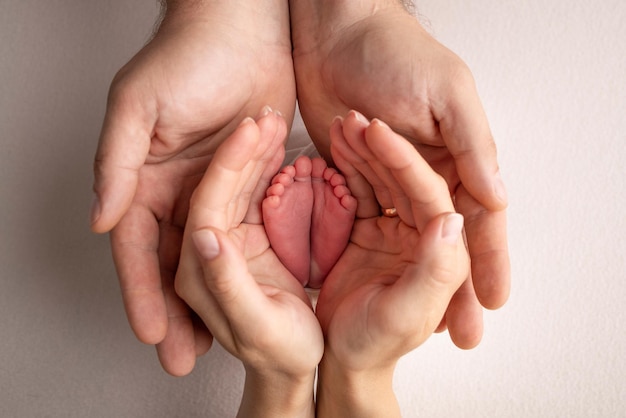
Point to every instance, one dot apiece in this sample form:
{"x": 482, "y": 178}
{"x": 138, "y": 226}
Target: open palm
{"x": 253, "y": 305}
{"x": 392, "y": 285}
{"x": 169, "y": 109}
{"x": 385, "y": 65}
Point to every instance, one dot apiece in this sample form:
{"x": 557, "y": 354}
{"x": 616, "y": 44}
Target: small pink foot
{"x": 331, "y": 222}
{"x": 308, "y": 215}
{"x": 287, "y": 217}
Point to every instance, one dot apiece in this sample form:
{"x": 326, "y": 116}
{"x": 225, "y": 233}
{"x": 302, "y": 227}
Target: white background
{"x": 552, "y": 76}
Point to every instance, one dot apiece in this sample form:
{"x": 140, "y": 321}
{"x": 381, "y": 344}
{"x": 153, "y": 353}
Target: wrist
{"x": 275, "y": 394}
{"x": 315, "y": 21}
{"x": 183, "y": 9}
{"x": 267, "y": 20}
{"x": 355, "y": 393}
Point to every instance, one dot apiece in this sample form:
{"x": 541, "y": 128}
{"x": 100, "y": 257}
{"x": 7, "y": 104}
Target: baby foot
{"x": 331, "y": 220}
{"x": 287, "y": 217}
{"x": 308, "y": 215}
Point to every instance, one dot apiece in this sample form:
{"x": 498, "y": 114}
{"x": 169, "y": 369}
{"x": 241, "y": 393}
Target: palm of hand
{"x": 192, "y": 87}
{"x": 169, "y": 109}
{"x": 385, "y": 66}
{"x": 288, "y": 334}
{"x": 388, "y": 67}
{"x": 361, "y": 315}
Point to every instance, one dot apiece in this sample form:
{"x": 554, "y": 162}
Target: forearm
{"x": 182, "y": 6}
{"x": 313, "y": 21}
{"x": 266, "y": 18}
{"x": 349, "y": 393}
{"x": 270, "y": 395}
{"x": 199, "y": 6}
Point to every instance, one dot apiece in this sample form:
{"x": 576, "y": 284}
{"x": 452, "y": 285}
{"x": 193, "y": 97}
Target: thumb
{"x": 122, "y": 150}
{"x": 440, "y": 266}
{"x": 227, "y": 278}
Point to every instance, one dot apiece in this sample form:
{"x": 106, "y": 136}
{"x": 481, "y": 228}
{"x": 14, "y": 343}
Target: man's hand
{"x": 208, "y": 67}
{"x": 380, "y": 61}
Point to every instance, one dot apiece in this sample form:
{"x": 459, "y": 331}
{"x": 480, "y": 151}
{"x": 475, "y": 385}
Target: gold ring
{"x": 390, "y": 212}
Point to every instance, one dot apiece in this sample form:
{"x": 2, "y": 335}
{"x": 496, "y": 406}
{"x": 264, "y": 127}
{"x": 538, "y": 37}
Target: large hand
{"x": 208, "y": 66}
{"x": 380, "y": 61}
{"x": 392, "y": 285}
{"x": 254, "y": 307}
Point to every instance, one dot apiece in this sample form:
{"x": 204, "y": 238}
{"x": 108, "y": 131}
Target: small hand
{"x": 254, "y": 307}
{"x": 392, "y": 285}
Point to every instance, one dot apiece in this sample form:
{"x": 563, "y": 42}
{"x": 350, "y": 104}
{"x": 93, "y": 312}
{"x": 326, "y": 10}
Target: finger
{"x": 223, "y": 197}
{"x": 122, "y": 150}
{"x": 441, "y": 264}
{"x": 230, "y": 283}
{"x": 269, "y": 150}
{"x": 253, "y": 318}
{"x": 190, "y": 286}
{"x": 220, "y": 201}
{"x": 354, "y": 128}
{"x": 367, "y": 206}
{"x": 202, "y": 336}
{"x": 273, "y": 135}
{"x": 388, "y": 191}
{"x": 412, "y": 178}
{"x": 442, "y": 326}
{"x": 177, "y": 351}
{"x": 466, "y": 133}
{"x": 215, "y": 200}
{"x": 134, "y": 244}
{"x": 488, "y": 248}
{"x": 464, "y": 317}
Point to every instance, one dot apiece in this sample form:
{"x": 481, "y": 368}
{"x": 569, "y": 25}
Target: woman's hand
{"x": 391, "y": 288}
{"x": 231, "y": 278}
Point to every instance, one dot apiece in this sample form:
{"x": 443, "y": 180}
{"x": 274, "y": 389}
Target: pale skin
{"x": 391, "y": 287}
{"x": 373, "y": 56}
{"x": 393, "y": 269}
{"x": 255, "y": 308}
{"x": 210, "y": 65}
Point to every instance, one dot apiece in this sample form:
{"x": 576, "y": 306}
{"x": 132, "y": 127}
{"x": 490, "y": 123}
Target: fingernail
{"x": 380, "y": 123}
{"x": 265, "y": 111}
{"x": 337, "y": 119}
{"x": 206, "y": 244}
{"x": 359, "y": 116}
{"x": 96, "y": 209}
{"x": 246, "y": 120}
{"x": 452, "y": 227}
{"x": 499, "y": 189}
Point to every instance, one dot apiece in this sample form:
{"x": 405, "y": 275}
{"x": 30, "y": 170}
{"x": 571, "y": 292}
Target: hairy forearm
{"x": 409, "y": 5}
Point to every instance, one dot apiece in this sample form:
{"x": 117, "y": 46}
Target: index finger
{"x": 412, "y": 178}
{"x": 466, "y": 133}
{"x": 222, "y": 198}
